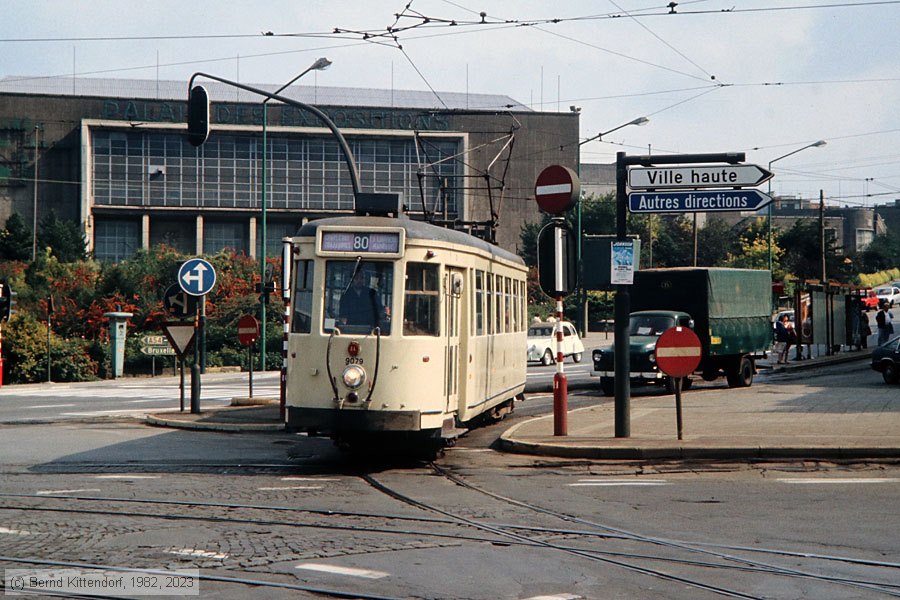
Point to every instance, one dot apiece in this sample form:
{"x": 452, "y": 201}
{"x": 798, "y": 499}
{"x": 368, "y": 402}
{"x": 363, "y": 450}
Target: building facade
{"x": 113, "y": 156}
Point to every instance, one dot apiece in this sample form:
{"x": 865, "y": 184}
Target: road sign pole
{"x": 195, "y": 372}
{"x": 181, "y": 384}
{"x": 560, "y": 383}
{"x": 678, "y": 404}
{"x": 250, "y": 378}
{"x": 622, "y": 310}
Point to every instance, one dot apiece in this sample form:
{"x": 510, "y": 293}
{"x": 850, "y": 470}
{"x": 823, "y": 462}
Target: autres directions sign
{"x": 697, "y": 201}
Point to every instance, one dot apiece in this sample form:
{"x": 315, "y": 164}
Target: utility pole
{"x": 822, "y": 232}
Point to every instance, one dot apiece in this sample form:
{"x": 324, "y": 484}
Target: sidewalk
{"x": 747, "y": 425}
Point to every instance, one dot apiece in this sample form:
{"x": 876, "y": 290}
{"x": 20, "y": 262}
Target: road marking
{"x": 50, "y": 406}
{"x": 291, "y": 487}
{"x": 195, "y": 553}
{"x": 126, "y": 476}
{"x": 6, "y": 531}
{"x": 617, "y": 482}
{"x": 54, "y": 492}
{"x": 556, "y": 597}
{"x": 310, "y": 479}
{"x": 337, "y": 570}
{"x": 850, "y": 480}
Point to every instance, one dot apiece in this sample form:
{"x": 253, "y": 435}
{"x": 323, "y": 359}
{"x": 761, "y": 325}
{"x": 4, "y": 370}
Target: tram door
{"x": 453, "y": 289}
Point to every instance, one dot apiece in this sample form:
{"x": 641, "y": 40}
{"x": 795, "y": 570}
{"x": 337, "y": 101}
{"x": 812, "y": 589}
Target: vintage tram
{"x": 400, "y": 328}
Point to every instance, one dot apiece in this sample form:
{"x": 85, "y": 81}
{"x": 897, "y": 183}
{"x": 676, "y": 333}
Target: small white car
{"x": 542, "y": 342}
{"x": 889, "y": 294}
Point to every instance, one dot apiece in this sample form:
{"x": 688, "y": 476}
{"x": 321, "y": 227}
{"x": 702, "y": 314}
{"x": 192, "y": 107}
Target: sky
{"x": 764, "y": 77}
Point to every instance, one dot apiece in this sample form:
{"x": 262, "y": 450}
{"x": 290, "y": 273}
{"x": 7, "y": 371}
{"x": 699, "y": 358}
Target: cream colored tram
{"x": 401, "y": 327}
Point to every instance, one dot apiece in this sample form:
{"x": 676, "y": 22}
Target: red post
{"x": 560, "y": 383}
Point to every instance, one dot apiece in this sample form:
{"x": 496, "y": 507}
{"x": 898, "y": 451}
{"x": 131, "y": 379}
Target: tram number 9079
{"x": 353, "y": 360}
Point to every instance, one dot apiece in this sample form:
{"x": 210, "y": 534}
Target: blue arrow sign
{"x": 697, "y": 201}
{"x": 196, "y": 277}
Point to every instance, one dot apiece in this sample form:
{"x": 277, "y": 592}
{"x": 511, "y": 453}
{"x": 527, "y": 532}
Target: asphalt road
{"x": 289, "y": 516}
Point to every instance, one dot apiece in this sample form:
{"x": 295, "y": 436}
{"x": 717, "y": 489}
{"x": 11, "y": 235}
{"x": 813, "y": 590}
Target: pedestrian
{"x": 864, "y": 330}
{"x": 883, "y": 319}
{"x": 782, "y": 339}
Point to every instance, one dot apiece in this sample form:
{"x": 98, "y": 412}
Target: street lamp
{"x": 320, "y": 65}
{"x": 582, "y": 295}
{"x": 818, "y": 144}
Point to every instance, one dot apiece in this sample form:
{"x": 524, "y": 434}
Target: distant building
{"x": 111, "y": 154}
{"x": 597, "y": 179}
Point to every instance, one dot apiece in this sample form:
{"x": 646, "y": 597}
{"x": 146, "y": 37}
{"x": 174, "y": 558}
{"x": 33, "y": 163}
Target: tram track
{"x": 729, "y": 561}
{"x": 498, "y": 533}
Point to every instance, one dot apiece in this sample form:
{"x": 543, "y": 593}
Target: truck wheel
{"x": 577, "y": 357}
{"x": 608, "y": 386}
{"x": 743, "y": 375}
{"x": 547, "y": 358}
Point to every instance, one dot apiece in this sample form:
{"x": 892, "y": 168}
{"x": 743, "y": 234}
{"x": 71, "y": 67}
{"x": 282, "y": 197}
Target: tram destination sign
{"x": 722, "y": 176}
{"x": 697, "y": 201}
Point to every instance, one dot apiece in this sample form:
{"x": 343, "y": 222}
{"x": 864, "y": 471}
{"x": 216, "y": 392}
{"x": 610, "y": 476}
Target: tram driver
{"x": 360, "y": 304}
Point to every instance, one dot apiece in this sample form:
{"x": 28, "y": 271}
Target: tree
{"x": 64, "y": 238}
{"x": 883, "y": 253}
{"x": 15, "y": 240}
{"x": 715, "y": 242}
{"x": 803, "y": 252}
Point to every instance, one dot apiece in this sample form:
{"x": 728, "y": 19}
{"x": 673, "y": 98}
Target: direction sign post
{"x": 678, "y": 353}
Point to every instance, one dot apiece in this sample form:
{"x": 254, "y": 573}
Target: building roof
{"x": 152, "y": 89}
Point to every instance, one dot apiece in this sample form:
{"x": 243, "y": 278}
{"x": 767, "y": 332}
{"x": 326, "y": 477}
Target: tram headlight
{"x": 354, "y": 376}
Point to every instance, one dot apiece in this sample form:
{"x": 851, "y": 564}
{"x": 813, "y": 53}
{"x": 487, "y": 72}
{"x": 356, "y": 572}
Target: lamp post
{"x": 582, "y": 294}
{"x": 34, "y": 219}
{"x": 818, "y": 144}
{"x": 320, "y": 65}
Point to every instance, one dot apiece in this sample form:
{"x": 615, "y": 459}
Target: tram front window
{"x": 358, "y": 296}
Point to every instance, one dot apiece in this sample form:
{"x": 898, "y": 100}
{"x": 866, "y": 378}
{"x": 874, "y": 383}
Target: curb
{"x": 208, "y": 426}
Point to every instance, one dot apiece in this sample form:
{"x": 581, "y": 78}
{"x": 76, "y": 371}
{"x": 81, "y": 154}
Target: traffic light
{"x": 264, "y": 290}
{"x": 198, "y": 116}
{"x": 7, "y": 301}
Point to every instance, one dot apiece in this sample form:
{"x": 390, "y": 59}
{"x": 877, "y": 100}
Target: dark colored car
{"x": 886, "y": 360}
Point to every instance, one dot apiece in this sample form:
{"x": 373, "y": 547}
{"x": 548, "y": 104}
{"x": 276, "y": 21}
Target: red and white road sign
{"x": 678, "y": 352}
{"x": 557, "y": 189}
{"x": 248, "y": 329}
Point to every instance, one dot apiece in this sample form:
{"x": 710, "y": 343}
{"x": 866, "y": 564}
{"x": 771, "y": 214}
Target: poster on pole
{"x": 622, "y": 263}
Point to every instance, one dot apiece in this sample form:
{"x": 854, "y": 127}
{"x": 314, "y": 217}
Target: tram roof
{"x": 417, "y": 230}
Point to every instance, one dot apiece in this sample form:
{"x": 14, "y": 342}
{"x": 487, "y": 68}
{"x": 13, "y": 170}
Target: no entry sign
{"x": 557, "y": 189}
{"x": 678, "y": 352}
{"x": 248, "y": 329}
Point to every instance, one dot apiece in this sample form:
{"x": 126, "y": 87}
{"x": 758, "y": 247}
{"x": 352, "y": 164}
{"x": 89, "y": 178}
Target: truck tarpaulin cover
{"x": 730, "y": 307}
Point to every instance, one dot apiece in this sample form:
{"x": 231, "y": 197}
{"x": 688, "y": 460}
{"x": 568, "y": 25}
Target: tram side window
{"x": 421, "y": 305}
{"x": 479, "y": 302}
{"x": 303, "y": 283}
{"x": 358, "y": 296}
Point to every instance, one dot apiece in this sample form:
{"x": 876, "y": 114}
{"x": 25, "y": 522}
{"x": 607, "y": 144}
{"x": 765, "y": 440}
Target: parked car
{"x": 886, "y": 360}
{"x": 870, "y": 300}
{"x": 542, "y": 342}
{"x": 890, "y": 294}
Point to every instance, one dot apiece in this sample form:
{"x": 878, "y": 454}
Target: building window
{"x": 116, "y": 240}
{"x": 145, "y": 168}
{"x": 864, "y": 237}
{"x": 219, "y": 235}
{"x": 275, "y": 232}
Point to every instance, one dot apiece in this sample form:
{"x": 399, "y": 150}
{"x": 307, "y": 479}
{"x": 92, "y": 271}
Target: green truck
{"x": 728, "y": 309}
